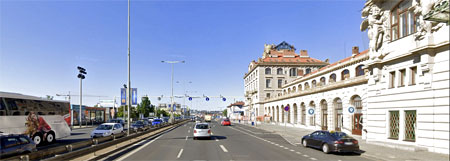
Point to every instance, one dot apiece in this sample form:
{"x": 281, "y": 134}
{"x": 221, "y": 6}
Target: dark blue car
{"x": 331, "y": 141}
{"x": 156, "y": 122}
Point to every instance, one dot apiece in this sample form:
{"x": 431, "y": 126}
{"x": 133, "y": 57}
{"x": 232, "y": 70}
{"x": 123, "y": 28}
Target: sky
{"x": 42, "y": 42}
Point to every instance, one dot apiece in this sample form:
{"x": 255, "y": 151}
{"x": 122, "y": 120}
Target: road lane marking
{"x": 223, "y": 148}
{"x": 189, "y": 131}
{"x": 137, "y": 149}
{"x": 179, "y": 154}
{"x": 217, "y": 139}
{"x": 313, "y": 158}
{"x": 280, "y": 146}
{"x": 298, "y": 152}
{"x": 305, "y": 155}
{"x": 186, "y": 137}
{"x": 286, "y": 148}
{"x": 292, "y": 150}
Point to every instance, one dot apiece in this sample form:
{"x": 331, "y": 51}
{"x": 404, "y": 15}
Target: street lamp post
{"x": 184, "y": 97}
{"x": 171, "y": 98}
{"x": 129, "y": 76}
{"x": 81, "y": 74}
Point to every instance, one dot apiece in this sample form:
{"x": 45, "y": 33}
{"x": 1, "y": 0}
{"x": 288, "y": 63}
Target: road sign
{"x": 123, "y": 96}
{"x": 207, "y": 98}
{"x": 311, "y": 111}
{"x": 224, "y": 99}
{"x": 134, "y": 96}
{"x": 351, "y": 110}
{"x": 286, "y": 108}
{"x": 190, "y": 98}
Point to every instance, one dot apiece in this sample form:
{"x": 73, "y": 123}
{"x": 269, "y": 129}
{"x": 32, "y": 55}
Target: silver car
{"x": 202, "y": 130}
{"x": 14, "y": 144}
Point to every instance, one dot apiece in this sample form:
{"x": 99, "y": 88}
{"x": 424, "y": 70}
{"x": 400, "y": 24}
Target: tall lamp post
{"x": 171, "y": 98}
{"x": 129, "y": 76}
{"x": 81, "y": 74}
{"x": 184, "y": 97}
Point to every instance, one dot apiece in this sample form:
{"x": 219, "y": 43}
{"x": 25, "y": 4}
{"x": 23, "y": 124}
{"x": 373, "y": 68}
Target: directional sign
{"x": 351, "y": 110}
{"x": 123, "y": 96}
{"x": 224, "y": 99}
{"x": 207, "y": 98}
{"x": 190, "y": 98}
{"x": 134, "y": 96}
{"x": 311, "y": 111}
{"x": 286, "y": 108}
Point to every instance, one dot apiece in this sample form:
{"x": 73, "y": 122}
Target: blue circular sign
{"x": 311, "y": 111}
{"x": 190, "y": 98}
{"x": 207, "y": 98}
{"x": 351, "y": 109}
{"x": 224, "y": 99}
{"x": 286, "y": 108}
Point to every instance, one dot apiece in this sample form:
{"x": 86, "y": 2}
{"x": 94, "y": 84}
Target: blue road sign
{"x": 123, "y": 96}
{"x": 170, "y": 106}
{"x": 134, "y": 96}
{"x": 351, "y": 109}
{"x": 311, "y": 111}
{"x": 190, "y": 98}
{"x": 207, "y": 98}
{"x": 224, "y": 99}
{"x": 286, "y": 108}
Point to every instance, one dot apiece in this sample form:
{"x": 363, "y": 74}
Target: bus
{"x": 42, "y": 120}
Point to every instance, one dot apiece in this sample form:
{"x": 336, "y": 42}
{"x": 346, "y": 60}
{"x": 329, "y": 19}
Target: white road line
{"x": 298, "y": 152}
{"x": 305, "y": 155}
{"x": 286, "y": 148}
{"x": 223, "y": 148}
{"x": 179, "y": 154}
{"x": 280, "y": 146}
{"x": 277, "y": 144}
{"x": 186, "y": 137}
{"x": 137, "y": 149}
{"x": 189, "y": 131}
{"x": 217, "y": 139}
{"x": 292, "y": 150}
{"x": 313, "y": 158}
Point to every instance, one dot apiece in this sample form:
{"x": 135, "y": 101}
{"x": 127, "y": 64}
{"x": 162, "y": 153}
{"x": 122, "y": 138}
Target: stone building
{"x": 278, "y": 65}
{"x": 396, "y": 93}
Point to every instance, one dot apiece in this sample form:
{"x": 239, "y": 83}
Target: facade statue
{"x": 267, "y": 49}
{"x": 423, "y": 7}
{"x": 375, "y": 23}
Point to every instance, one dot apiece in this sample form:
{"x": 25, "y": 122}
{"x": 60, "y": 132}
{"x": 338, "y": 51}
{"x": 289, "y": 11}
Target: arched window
{"x": 359, "y": 70}
{"x": 294, "y": 89}
{"x": 306, "y": 85}
{"x": 308, "y": 71}
{"x": 300, "y": 87}
{"x": 332, "y": 78}
{"x": 293, "y": 72}
{"x": 268, "y": 71}
{"x": 313, "y": 84}
{"x": 345, "y": 74}
{"x": 322, "y": 81}
{"x": 289, "y": 90}
{"x": 279, "y": 71}
{"x": 284, "y": 92}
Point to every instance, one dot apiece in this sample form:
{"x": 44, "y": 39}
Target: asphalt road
{"x": 227, "y": 143}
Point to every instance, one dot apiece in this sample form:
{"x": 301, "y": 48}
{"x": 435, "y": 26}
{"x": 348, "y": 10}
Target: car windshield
{"x": 339, "y": 135}
{"x": 105, "y": 127}
{"x": 201, "y": 126}
{"x": 138, "y": 123}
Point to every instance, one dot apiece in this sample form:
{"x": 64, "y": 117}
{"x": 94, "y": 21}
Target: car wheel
{"x": 50, "y": 138}
{"x": 305, "y": 143}
{"x": 325, "y": 148}
{"x": 195, "y": 138}
{"x": 37, "y": 138}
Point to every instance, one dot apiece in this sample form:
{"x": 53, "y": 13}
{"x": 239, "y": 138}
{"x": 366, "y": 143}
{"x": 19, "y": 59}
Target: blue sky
{"x": 42, "y": 43}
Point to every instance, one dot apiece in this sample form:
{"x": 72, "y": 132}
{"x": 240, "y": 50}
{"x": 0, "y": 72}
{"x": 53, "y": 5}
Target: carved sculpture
{"x": 424, "y": 28}
{"x": 376, "y": 24}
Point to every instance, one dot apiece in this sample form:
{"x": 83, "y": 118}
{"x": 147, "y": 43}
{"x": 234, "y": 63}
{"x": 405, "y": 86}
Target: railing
{"x": 66, "y": 152}
{"x": 329, "y": 86}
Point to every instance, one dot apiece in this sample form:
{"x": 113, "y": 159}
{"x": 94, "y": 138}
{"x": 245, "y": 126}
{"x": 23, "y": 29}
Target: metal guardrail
{"x": 66, "y": 152}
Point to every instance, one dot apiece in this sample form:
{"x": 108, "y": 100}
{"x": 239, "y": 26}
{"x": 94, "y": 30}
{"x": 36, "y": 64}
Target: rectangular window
{"x": 392, "y": 79}
{"x": 267, "y": 95}
{"x": 268, "y": 83}
{"x": 280, "y": 83}
{"x": 402, "y": 78}
{"x": 394, "y": 118}
{"x": 403, "y": 20}
{"x": 410, "y": 125}
{"x": 412, "y": 75}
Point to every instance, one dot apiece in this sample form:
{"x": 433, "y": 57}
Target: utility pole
{"x": 129, "y": 76}
{"x": 81, "y": 74}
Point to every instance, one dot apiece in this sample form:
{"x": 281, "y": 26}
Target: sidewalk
{"x": 372, "y": 151}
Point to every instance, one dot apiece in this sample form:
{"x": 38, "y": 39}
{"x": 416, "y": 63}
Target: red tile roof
{"x": 240, "y": 103}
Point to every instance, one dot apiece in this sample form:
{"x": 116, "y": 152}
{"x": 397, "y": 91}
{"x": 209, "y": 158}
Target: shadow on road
{"x": 77, "y": 133}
